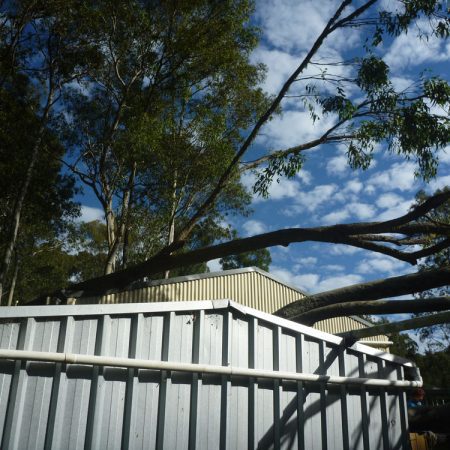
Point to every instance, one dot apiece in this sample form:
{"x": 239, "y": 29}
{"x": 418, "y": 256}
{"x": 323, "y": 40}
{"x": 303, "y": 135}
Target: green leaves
{"x": 395, "y": 23}
{"x": 437, "y": 91}
{"x": 340, "y": 105}
{"x": 372, "y": 75}
{"x": 276, "y": 168}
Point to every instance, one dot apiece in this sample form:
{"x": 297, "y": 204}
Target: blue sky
{"x": 326, "y": 191}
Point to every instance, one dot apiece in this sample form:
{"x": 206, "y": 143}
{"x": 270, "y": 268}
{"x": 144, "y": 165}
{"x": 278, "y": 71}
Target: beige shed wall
{"x": 250, "y": 288}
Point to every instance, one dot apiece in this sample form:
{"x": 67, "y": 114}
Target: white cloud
{"x": 248, "y": 180}
{"x": 89, "y": 213}
{"x": 343, "y": 250}
{"x": 293, "y": 128}
{"x": 252, "y": 227}
{"x": 307, "y": 261}
{"x": 361, "y": 210}
{"x": 353, "y": 209}
{"x": 336, "y": 282}
{"x": 444, "y": 155}
{"x": 388, "y": 200}
{"x": 214, "y": 265}
{"x": 312, "y": 282}
{"x": 391, "y": 6}
{"x": 291, "y": 24}
{"x": 380, "y": 264}
{"x": 439, "y": 183}
{"x": 280, "y": 66}
{"x": 285, "y": 188}
{"x": 401, "y": 84}
{"x": 410, "y": 50}
{"x": 396, "y": 211}
{"x": 399, "y": 176}
{"x": 335, "y": 217}
{"x": 338, "y": 165}
{"x": 307, "y": 282}
{"x": 311, "y": 200}
{"x": 354, "y": 186}
{"x": 305, "y": 176}
{"x": 334, "y": 267}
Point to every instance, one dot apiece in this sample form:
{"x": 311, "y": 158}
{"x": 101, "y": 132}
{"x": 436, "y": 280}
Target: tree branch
{"x": 372, "y": 290}
{"x": 377, "y": 307}
{"x": 349, "y": 234}
{"x": 261, "y": 121}
{"x": 403, "y": 325}
{"x": 295, "y": 150}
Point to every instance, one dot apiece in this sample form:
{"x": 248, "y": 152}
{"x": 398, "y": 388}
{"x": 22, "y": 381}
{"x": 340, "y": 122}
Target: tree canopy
{"x": 158, "y": 108}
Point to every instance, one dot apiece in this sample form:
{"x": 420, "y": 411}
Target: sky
{"x": 326, "y": 191}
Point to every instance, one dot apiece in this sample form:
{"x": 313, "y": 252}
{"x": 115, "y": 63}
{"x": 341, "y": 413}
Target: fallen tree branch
{"x": 395, "y": 327}
{"x": 377, "y": 307}
{"x": 121, "y": 280}
{"x": 372, "y": 290}
{"x": 348, "y": 234}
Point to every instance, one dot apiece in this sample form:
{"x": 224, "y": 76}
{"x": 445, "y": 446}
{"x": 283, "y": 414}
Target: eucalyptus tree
{"x": 41, "y": 53}
{"x": 436, "y": 337}
{"x": 366, "y": 111}
{"x": 160, "y": 117}
{"x": 48, "y": 206}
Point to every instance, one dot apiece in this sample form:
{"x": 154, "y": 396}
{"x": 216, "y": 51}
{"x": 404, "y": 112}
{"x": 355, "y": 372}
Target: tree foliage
{"x": 436, "y": 337}
{"x": 161, "y": 113}
{"x": 158, "y": 107}
{"x": 48, "y": 207}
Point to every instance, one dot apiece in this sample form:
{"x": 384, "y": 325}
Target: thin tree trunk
{"x": 171, "y": 236}
{"x": 116, "y": 232}
{"x": 17, "y": 213}
{"x": 126, "y": 233}
{"x": 126, "y": 244}
{"x": 111, "y": 225}
{"x": 13, "y": 282}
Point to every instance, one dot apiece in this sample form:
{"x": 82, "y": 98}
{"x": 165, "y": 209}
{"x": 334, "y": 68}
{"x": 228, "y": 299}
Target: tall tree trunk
{"x": 111, "y": 229}
{"x": 17, "y": 212}
{"x": 171, "y": 237}
{"x": 13, "y": 281}
{"x": 125, "y": 247}
{"x": 127, "y": 226}
{"x": 117, "y": 226}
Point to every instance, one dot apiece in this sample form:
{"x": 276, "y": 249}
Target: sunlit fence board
{"x": 71, "y": 406}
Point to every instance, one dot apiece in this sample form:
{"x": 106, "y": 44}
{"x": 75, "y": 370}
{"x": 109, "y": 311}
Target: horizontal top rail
{"x": 72, "y": 358}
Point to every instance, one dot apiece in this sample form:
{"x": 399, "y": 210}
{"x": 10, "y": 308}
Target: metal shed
{"x": 197, "y": 375}
{"x": 249, "y": 286}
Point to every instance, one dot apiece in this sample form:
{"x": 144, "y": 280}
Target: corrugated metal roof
{"x": 59, "y": 406}
{"x": 249, "y": 286}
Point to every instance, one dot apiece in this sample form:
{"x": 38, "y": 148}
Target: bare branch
{"x": 403, "y": 325}
{"x": 296, "y": 149}
{"x": 261, "y": 121}
{"x": 377, "y": 307}
{"x": 356, "y": 13}
{"x": 372, "y": 290}
{"x": 165, "y": 261}
{"x": 442, "y": 245}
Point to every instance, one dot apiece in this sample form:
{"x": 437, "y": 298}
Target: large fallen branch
{"x": 377, "y": 307}
{"x": 303, "y": 310}
{"x": 348, "y": 234}
{"x": 395, "y": 327}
